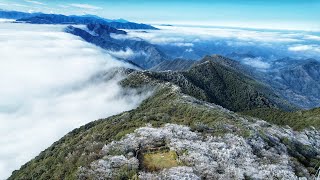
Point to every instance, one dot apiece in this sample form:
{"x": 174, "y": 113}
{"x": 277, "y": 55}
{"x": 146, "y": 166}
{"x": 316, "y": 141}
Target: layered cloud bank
{"x": 195, "y": 42}
{"x": 47, "y": 89}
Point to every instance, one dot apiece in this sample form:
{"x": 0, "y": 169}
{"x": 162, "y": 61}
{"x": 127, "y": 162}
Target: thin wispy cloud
{"x": 63, "y": 6}
{"x": 19, "y": 5}
{"x": 128, "y": 53}
{"x": 235, "y": 33}
{"x": 85, "y": 6}
{"x": 34, "y": 2}
{"x": 4, "y": 4}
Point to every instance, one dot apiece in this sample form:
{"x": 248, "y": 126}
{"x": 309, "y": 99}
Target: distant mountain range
{"x": 16, "y": 14}
{"x": 145, "y": 55}
{"x": 41, "y": 18}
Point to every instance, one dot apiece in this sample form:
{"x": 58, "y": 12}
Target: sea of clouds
{"x": 47, "y": 89}
{"x": 195, "y": 42}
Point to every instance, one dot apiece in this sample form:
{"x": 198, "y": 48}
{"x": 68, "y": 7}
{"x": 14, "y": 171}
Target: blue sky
{"x": 281, "y": 14}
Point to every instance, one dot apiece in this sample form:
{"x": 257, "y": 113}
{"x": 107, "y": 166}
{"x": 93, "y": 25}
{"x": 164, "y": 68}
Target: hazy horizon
{"x": 292, "y": 15}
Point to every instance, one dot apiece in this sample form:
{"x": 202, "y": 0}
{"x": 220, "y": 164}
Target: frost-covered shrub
{"x": 261, "y": 156}
{"x": 109, "y": 167}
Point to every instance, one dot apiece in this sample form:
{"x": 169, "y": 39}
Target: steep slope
{"x": 296, "y": 80}
{"x": 220, "y": 80}
{"x": 299, "y": 82}
{"x": 145, "y": 55}
{"x": 174, "y": 65}
{"x": 228, "y": 88}
{"x": 219, "y": 145}
{"x": 62, "y": 19}
{"x": 298, "y": 120}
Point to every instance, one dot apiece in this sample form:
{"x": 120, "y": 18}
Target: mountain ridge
{"x": 42, "y": 18}
{"x": 63, "y": 19}
{"x": 87, "y": 152}
{"x": 226, "y": 67}
{"x": 16, "y": 14}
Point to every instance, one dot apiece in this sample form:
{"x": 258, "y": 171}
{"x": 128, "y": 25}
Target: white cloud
{"x": 85, "y": 6}
{"x": 181, "y": 44}
{"x": 272, "y": 43}
{"x": 312, "y": 37}
{"x": 256, "y": 63}
{"x": 127, "y": 54}
{"x": 169, "y": 34}
{"x": 47, "y": 89}
{"x": 6, "y": 20}
{"x": 155, "y": 37}
{"x": 34, "y": 2}
{"x": 305, "y": 48}
{"x": 189, "y": 50}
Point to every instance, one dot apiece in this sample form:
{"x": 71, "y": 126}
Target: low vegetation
{"x": 155, "y": 161}
{"x": 298, "y": 120}
{"x": 81, "y": 146}
{"x": 202, "y": 156}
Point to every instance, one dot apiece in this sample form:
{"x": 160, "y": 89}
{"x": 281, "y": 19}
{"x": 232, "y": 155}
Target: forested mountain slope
{"x": 237, "y": 147}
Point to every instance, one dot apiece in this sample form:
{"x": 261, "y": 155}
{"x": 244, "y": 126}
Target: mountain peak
{"x": 121, "y": 20}
{"x": 102, "y": 29}
{"x": 227, "y": 83}
{"x": 216, "y": 58}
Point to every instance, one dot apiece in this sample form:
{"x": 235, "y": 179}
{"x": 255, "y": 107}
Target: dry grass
{"x": 160, "y": 160}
